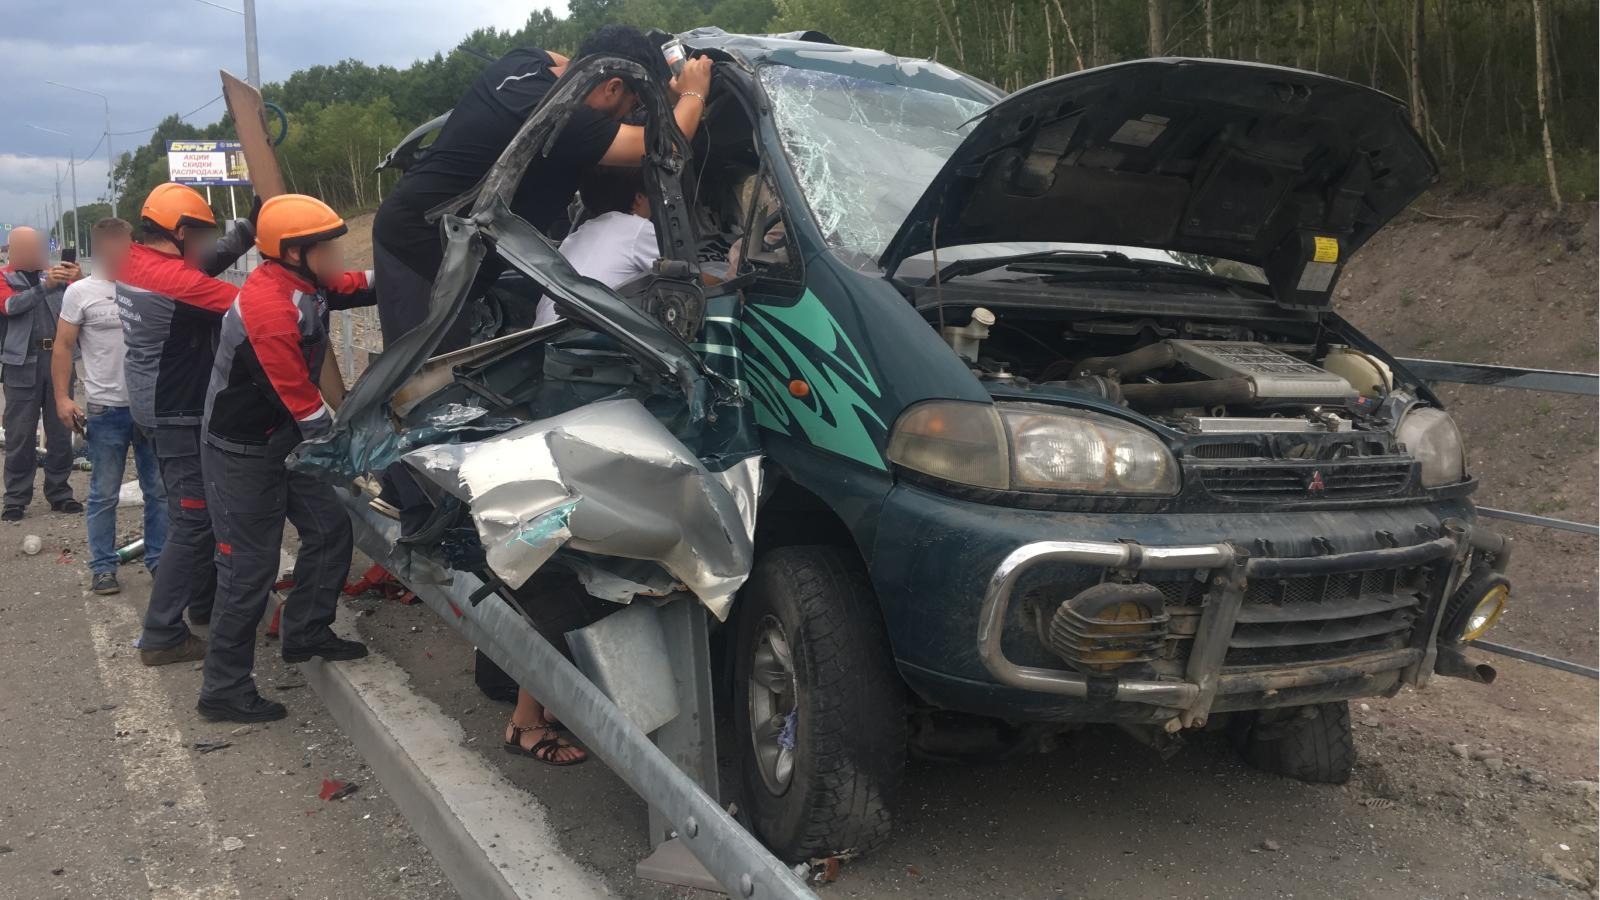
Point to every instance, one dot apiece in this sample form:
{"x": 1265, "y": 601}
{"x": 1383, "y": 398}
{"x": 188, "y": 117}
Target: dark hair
{"x": 610, "y": 189}
{"x": 629, "y": 43}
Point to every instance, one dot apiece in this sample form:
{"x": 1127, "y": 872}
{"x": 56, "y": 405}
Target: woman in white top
{"x": 618, "y": 242}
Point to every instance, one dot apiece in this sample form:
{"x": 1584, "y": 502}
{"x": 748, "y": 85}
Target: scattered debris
{"x": 1271, "y": 846}
{"x": 337, "y": 790}
{"x": 1460, "y": 750}
{"x": 211, "y": 746}
{"x": 825, "y": 870}
{"x": 1378, "y": 803}
{"x": 242, "y": 730}
{"x": 32, "y": 544}
{"x": 231, "y": 844}
{"x": 169, "y": 803}
{"x": 1483, "y": 753}
{"x": 58, "y": 871}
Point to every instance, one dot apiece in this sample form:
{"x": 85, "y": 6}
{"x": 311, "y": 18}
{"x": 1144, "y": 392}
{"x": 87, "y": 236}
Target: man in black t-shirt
{"x": 407, "y": 249}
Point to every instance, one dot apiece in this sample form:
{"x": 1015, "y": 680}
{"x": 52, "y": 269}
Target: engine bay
{"x": 1196, "y": 376}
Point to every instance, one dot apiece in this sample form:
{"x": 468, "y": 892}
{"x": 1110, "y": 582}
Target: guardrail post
{"x": 731, "y": 855}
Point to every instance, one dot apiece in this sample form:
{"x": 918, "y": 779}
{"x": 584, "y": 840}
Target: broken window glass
{"x": 863, "y": 151}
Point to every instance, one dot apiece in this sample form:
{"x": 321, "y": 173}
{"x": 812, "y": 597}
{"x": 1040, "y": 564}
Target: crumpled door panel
{"x": 606, "y": 479}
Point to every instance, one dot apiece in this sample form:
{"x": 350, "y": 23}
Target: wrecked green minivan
{"x": 1012, "y": 413}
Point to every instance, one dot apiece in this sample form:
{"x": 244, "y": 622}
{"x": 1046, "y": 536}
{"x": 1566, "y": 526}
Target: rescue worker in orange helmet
{"x": 171, "y": 306}
{"x": 262, "y": 401}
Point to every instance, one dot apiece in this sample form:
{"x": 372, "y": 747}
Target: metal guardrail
{"x": 729, "y": 853}
{"x": 1522, "y": 518}
{"x": 1544, "y": 380}
{"x": 1548, "y": 380}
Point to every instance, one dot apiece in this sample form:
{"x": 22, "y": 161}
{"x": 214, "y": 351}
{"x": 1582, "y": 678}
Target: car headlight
{"x": 1032, "y": 447}
{"x": 1430, "y": 435}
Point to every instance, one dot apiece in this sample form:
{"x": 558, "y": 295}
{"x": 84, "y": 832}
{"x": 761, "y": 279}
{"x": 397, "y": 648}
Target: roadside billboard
{"x": 207, "y": 163}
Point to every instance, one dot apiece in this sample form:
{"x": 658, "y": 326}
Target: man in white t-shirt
{"x": 617, "y": 243}
{"x": 91, "y": 327}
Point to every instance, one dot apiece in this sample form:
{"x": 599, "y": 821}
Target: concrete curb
{"x": 492, "y": 839}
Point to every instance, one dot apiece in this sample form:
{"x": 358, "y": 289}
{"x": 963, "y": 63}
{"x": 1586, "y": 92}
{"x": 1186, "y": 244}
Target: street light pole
{"x": 252, "y": 64}
{"x": 72, "y": 172}
{"x": 111, "y": 167}
{"x": 61, "y": 216}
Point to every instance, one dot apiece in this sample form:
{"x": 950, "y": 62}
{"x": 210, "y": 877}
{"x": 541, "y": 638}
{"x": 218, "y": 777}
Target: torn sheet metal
{"x": 606, "y": 479}
{"x": 372, "y": 450}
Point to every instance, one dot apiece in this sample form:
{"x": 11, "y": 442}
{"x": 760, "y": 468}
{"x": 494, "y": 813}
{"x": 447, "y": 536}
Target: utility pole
{"x": 61, "y": 216}
{"x": 111, "y": 166}
{"x": 72, "y": 172}
{"x": 252, "y": 64}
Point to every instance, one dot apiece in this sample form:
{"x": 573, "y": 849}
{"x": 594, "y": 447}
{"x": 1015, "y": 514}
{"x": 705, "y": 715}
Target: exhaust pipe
{"x": 1452, "y": 663}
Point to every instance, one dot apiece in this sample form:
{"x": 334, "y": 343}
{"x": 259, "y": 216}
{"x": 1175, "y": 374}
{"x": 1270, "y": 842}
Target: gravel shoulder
{"x": 1101, "y": 816}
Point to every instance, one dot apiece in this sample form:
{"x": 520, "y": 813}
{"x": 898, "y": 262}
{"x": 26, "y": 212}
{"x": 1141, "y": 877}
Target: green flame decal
{"x": 805, "y": 342}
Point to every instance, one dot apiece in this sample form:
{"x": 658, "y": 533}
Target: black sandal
{"x": 544, "y": 751}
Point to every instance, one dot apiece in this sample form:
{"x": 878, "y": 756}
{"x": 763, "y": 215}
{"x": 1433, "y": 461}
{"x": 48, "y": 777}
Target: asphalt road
{"x": 1104, "y": 817}
{"x": 104, "y": 795}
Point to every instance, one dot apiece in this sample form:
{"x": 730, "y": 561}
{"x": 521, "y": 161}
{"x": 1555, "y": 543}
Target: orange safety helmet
{"x": 171, "y": 206}
{"x": 295, "y": 220}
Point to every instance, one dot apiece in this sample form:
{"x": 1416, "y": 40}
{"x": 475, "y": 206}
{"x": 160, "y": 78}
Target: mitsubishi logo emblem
{"x": 1316, "y": 485}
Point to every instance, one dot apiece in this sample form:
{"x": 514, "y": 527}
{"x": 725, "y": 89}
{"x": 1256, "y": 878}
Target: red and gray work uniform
{"x": 262, "y": 401}
{"x": 28, "y": 326}
{"x": 170, "y": 314}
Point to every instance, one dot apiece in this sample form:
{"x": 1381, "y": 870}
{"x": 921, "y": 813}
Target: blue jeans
{"x": 109, "y": 433}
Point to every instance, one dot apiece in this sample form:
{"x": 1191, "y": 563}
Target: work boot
{"x": 251, "y": 707}
{"x": 192, "y": 649}
{"x": 330, "y": 650}
{"x": 12, "y": 514}
{"x": 105, "y": 583}
{"x": 68, "y": 505}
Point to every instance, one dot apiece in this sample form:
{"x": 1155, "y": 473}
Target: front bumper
{"x": 1230, "y": 571}
{"x": 962, "y": 602}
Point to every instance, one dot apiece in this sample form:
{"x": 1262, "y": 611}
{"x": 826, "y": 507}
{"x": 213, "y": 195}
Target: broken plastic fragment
{"x": 337, "y": 790}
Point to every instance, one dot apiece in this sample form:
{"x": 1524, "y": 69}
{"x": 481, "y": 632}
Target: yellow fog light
{"x": 1108, "y": 626}
{"x": 1487, "y": 611}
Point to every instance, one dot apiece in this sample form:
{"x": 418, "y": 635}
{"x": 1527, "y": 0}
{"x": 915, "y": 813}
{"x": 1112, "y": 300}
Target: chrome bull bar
{"x": 1229, "y": 570}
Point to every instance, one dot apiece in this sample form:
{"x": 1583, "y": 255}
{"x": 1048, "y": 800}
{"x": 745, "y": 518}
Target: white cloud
{"x": 154, "y": 58}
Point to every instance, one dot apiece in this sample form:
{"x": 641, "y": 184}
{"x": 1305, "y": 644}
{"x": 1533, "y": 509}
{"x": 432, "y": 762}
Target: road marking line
{"x": 159, "y": 770}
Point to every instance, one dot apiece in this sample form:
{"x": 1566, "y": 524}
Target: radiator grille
{"x": 1306, "y": 481}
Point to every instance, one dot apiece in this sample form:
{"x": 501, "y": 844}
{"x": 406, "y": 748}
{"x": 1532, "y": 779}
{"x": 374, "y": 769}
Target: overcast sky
{"x": 155, "y": 57}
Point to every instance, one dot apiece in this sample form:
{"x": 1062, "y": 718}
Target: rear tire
{"x": 1307, "y": 743}
{"x": 815, "y": 676}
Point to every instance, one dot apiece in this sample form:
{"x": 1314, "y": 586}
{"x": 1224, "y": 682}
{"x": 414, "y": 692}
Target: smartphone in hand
{"x": 69, "y": 254}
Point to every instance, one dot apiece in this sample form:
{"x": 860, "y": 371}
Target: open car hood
{"x": 1283, "y": 169}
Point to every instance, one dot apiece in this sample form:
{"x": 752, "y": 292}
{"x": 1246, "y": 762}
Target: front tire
{"x": 1307, "y": 743}
{"x": 819, "y": 710}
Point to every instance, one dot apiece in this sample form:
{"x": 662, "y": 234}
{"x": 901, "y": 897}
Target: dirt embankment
{"x": 1505, "y": 280}
{"x": 358, "y": 243}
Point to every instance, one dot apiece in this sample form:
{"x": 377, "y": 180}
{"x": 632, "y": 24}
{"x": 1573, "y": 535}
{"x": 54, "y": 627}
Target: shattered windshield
{"x": 863, "y": 151}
